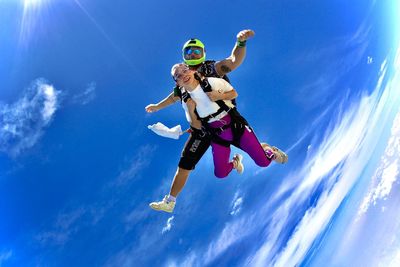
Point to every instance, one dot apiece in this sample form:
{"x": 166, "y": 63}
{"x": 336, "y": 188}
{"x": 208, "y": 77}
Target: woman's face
{"x": 183, "y": 75}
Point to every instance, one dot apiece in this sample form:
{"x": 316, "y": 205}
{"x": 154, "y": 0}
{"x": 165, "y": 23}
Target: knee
{"x": 263, "y": 163}
{"x": 220, "y": 173}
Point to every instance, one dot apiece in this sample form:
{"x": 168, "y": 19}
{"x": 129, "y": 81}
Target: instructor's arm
{"x": 237, "y": 56}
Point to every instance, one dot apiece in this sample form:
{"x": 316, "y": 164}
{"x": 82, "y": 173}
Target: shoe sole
{"x": 159, "y": 209}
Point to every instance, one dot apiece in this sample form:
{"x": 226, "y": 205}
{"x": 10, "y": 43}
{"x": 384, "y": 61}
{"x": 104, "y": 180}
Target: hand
{"x": 191, "y": 104}
{"x": 151, "y": 108}
{"x": 245, "y": 34}
{"x": 215, "y": 95}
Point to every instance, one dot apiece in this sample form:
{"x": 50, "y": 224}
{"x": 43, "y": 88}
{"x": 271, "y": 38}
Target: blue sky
{"x": 78, "y": 165}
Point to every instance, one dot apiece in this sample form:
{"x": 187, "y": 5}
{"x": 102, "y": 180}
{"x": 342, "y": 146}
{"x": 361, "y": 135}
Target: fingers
{"x": 245, "y": 34}
{"x": 213, "y": 96}
{"x": 150, "y": 108}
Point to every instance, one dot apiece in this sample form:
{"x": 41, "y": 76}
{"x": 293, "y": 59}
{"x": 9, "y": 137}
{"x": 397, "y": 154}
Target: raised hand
{"x": 245, "y": 34}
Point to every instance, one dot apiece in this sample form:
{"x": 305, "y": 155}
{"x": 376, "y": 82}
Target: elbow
{"x": 235, "y": 94}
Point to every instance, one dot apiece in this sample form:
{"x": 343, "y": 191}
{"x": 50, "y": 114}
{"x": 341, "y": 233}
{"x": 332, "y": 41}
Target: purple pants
{"x": 248, "y": 143}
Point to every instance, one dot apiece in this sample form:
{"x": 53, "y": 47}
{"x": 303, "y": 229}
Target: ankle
{"x": 171, "y": 198}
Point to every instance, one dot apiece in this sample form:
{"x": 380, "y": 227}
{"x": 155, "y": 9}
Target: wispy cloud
{"x": 23, "y": 122}
{"x": 151, "y": 240}
{"x": 318, "y": 85}
{"x": 5, "y": 256}
{"x": 88, "y": 95}
{"x": 66, "y": 224}
{"x": 236, "y": 204}
{"x": 70, "y": 222}
{"x": 139, "y": 161}
{"x": 233, "y": 232}
{"x": 168, "y": 225}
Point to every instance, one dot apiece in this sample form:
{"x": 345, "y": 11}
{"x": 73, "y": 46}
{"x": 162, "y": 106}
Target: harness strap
{"x": 205, "y": 85}
{"x": 237, "y": 125}
{"x": 199, "y": 132}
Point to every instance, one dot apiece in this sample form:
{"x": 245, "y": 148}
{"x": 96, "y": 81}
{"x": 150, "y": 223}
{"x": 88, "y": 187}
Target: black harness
{"x": 237, "y": 124}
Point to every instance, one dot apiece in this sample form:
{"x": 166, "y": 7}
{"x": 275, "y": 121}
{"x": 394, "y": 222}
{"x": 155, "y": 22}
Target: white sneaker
{"x": 237, "y": 163}
{"x": 164, "y": 205}
{"x": 279, "y": 155}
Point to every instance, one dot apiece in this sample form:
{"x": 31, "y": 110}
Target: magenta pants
{"x": 248, "y": 143}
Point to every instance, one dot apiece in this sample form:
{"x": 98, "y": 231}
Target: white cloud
{"x": 168, "y": 225}
{"x": 23, "y": 122}
{"x": 395, "y": 261}
{"x": 236, "y": 204}
{"x": 86, "y": 96}
{"x": 387, "y": 172}
{"x": 389, "y": 176}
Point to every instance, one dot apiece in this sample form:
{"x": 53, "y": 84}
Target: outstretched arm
{"x": 237, "y": 56}
{"x": 169, "y": 100}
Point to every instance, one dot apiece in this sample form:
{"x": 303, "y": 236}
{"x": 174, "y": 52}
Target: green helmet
{"x": 186, "y": 47}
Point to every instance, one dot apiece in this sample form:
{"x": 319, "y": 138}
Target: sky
{"x": 78, "y": 165}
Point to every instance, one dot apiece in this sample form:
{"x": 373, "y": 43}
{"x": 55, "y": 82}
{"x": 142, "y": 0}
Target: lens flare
{"x": 28, "y": 3}
{"x": 32, "y": 16}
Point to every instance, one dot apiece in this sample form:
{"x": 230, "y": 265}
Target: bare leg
{"x": 179, "y": 181}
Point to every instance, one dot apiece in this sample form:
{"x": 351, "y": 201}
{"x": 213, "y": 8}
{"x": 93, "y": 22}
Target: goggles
{"x": 190, "y": 51}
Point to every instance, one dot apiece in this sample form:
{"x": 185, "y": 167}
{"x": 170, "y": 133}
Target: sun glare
{"x": 33, "y": 13}
{"x": 28, "y": 3}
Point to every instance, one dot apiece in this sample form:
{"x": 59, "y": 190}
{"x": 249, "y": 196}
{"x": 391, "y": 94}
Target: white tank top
{"x": 204, "y": 105}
